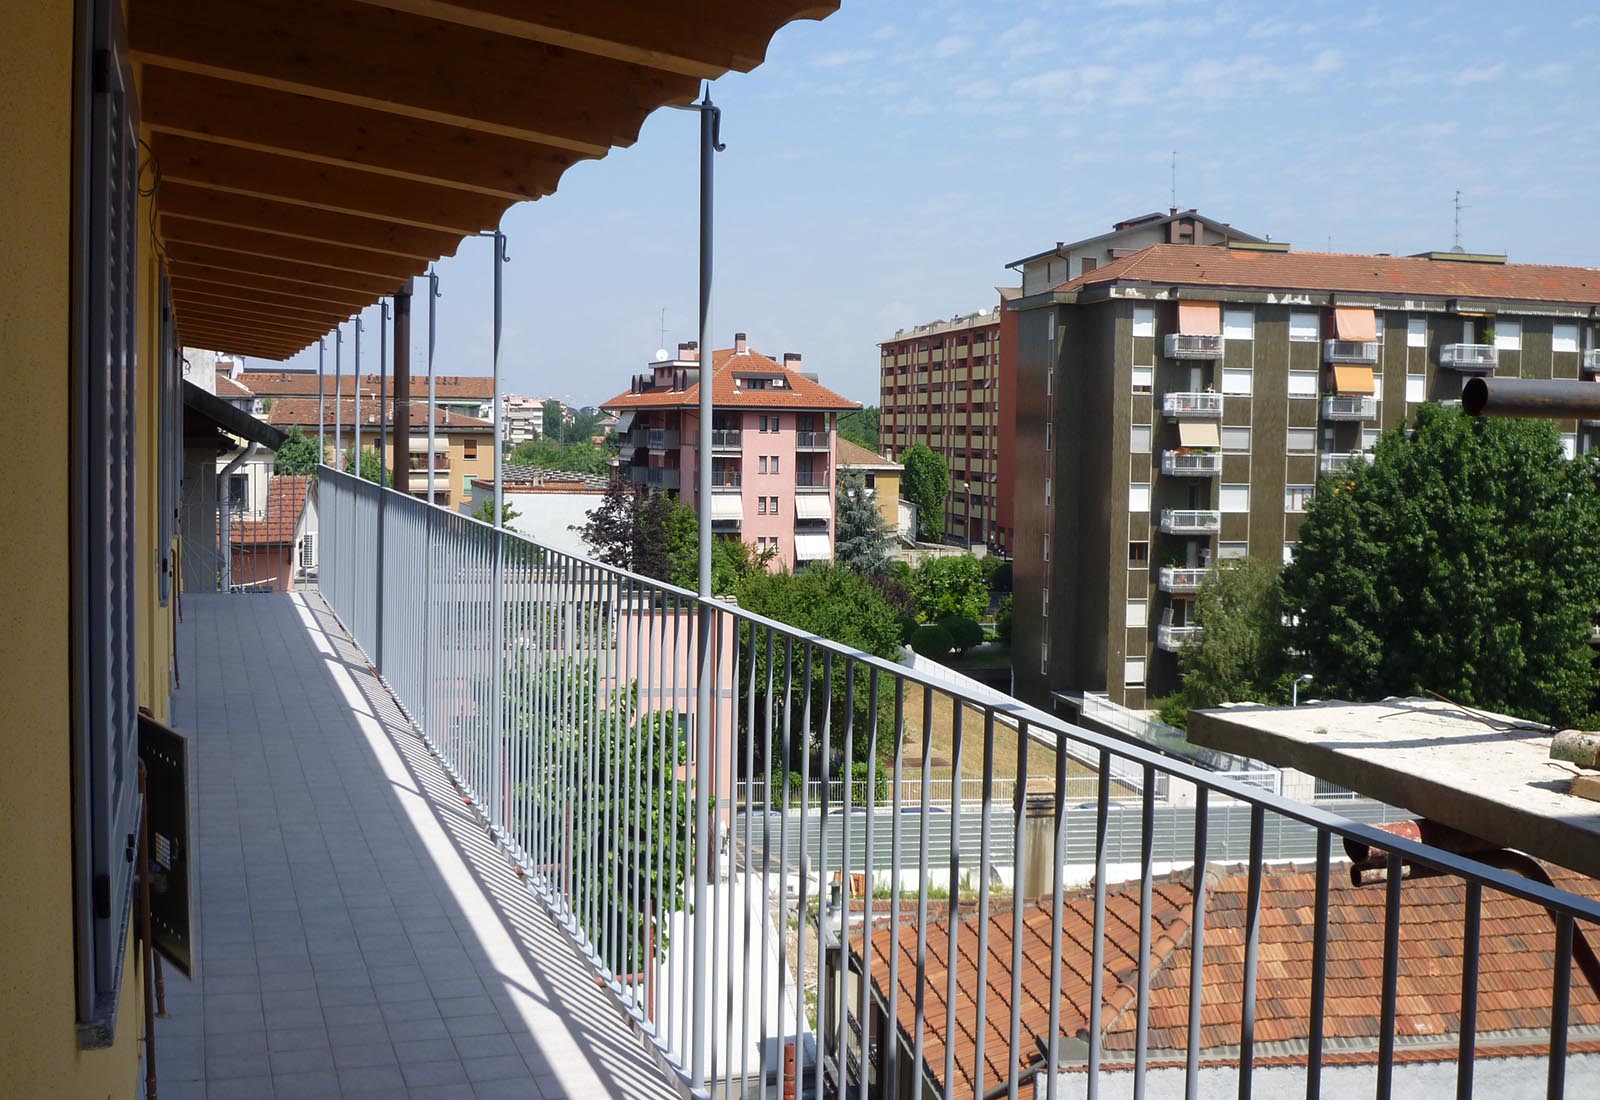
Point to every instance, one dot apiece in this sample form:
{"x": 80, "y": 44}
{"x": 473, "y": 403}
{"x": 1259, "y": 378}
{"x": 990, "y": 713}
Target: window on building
{"x": 1144, "y": 321}
{"x": 1046, "y": 491}
{"x": 1238, "y": 324}
{"x": 469, "y": 447}
{"x": 1569, "y": 444}
{"x": 761, "y": 506}
{"x": 1234, "y": 498}
{"x": 1304, "y": 326}
{"x": 1044, "y": 658}
{"x": 1507, "y": 334}
{"x": 1133, "y": 672}
{"x": 1288, "y": 551}
{"x": 1136, "y": 613}
{"x": 1049, "y": 435}
{"x": 1139, "y": 498}
{"x": 1378, "y": 325}
{"x": 1564, "y": 337}
{"x": 1302, "y": 383}
{"x": 1237, "y": 381}
{"x": 238, "y": 490}
{"x": 774, "y": 467}
{"x": 1302, "y": 440}
{"x": 1416, "y": 388}
{"x": 1369, "y": 438}
{"x": 1296, "y": 497}
{"x": 1139, "y": 439}
{"x": 1416, "y": 332}
{"x": 1144, "y": 379}
{"x": 1235, "y": 438}
{"x": 763, "y": 424}
{"x": 1138, "y": 554}
{"x": 1226, "y": 550}
{"x": 774, "y": 543}
{"x": 1044, "y": 602}
{"x": 1047, "y": 546}
{"x": 761, "y": 464}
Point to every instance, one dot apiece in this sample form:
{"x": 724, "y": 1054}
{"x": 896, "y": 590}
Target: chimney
{"x": 791, "y": 360}
{"x": 741, "y": 345}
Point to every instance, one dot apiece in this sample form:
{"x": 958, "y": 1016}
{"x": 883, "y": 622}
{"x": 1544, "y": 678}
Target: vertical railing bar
{"x": 628, "y": 629}
{"x": 749, "y": 806}
{"x": 842, "y": 969}
{"x": 766, "y": 1037}
{"x": 982, "y": 1029}
{"x": 728, "y": 638}
{"x": 1319, "y": 968}
{"x": 805, "y": 881}
{"x": 1058, "y": 861}
{"x": 783, "y": 865}
{"x": 801, "y": 863}
{"x": 864, "y": 999}
{"x": 1466, "y": 1056}
{"x": 1391, "y": 975}
{"x": 680, "y": 793}
{"x": 952, "y": 957}
{"x": 1560, "y": 1007}
{"x": 1019, "y": 811}
{"x": 919, "y": 1059}
{"x": 1147, "y": 823}
{"x": 1252, "y": 948}
{"x": 1197, "y": 942}
{"x": 824, "y": 889}
{"x": 892, "y": 1011}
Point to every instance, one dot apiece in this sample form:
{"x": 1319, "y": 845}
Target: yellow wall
{"x": 886, "y": 493}
{"x": 460, "y": 466}
{"x": 39, "y": 1056}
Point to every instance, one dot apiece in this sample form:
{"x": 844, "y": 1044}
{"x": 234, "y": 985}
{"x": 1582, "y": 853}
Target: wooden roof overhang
{"x": 315, "y": 154}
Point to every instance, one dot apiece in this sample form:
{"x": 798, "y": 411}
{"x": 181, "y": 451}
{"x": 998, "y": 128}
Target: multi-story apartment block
{"x": 524, "y": 418}
{"x": 469, "y": 395}
{"x": 1190, "y": 401}
{"x": 772, "y": 445}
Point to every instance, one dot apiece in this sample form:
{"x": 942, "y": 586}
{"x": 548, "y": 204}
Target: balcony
{"x": 1181, "y": 580}
{"x": 1591, "y": 361}
{"x": 1192, "y": 406}
{"x": 1336, "y": 407}
{"x": 726, "y": 439}
{"x": 1173, "y": 638}
{"x": 726, "y": 479}
{"x": 811, "y": 480}
{"x": 657, "y": 477}
{"x": 660, "y": 439}
{"x": 1469, "y": 358}
{"x": 1191, "y": 463}
{"x": 1340, "y": 461}
{"x": 1192, "y": 521}
{"x": 1350, "y": 351}
{"x": 1184, "y": 346}
{"x": 419, "y": 462}
{"x": 813, "y": 441}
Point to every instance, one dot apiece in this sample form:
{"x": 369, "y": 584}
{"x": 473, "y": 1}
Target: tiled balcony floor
{"x": 359, "y": 935}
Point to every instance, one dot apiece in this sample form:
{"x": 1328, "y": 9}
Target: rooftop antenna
{"x": 663, "y": 341}
{"x": 1456, "y": 246}
{"x": 1174, "y": 195}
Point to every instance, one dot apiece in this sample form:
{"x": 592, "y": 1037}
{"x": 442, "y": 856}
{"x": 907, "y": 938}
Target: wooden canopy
{"x": 314, "y": 154}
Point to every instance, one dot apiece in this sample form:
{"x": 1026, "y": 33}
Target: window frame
{"x": 1233, "y": 489}
{"x": 1297, "y": 336}
{"x": 1231, "y": 325}
{"x": 1416, "y": 332}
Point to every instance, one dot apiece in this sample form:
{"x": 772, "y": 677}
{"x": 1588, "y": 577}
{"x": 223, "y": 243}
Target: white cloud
{"x": 951, "y": 45}
{"x": 835, "y": 58}
{"x": 1436, "y": 129}
{"x": 1555, "y": 70}
{"x": 1327, "y": 61}
{"x": 884, "y": 33}
{"x": 1480, "y": 74}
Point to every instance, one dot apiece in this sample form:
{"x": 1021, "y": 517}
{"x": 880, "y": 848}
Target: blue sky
{"x": 886, "y": 163}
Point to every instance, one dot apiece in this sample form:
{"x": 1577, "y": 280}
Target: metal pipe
{"x": 401, "y": 434}
{"x": 322, "y": 350}
{"x": 338, "y": 396}
{"x": 1531, "y": 398}
{"x": 500, "y": 258}
{"x": 433, "y": 296}
{"x": 385, "y": 410}
{"x": 356, "y": 466}
{"x": 225, "y": 532}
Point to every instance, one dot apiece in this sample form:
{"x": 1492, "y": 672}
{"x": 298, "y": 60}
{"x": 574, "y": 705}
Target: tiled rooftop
{"x": 359, "y": 936}
{"x": 452, "y": 387}
{"x": 286, "y": 499}
{"x": 798, "y": 391}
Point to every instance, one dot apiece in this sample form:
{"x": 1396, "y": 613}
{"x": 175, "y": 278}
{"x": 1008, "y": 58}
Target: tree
{"x": 653, "y": 534}
{"x": 1241, "y": 653}
{"x": 925, "y": 483}
{"x": 370, "y": 468}
{"x": 485, "y": 512}
{"x": 952, "y": 585}
{"x": 932, "y": 640}
{"x": 1464, "y": 559}
{"x": 863, "y": 537}
{"x": 608, "y": 532}
{"x": 578, "y": 458}
{"x": 964, "y": 633}
{"x": 555, "y": 419}
{"x": 860, "y": 426}
{"x": 298, "y": 455}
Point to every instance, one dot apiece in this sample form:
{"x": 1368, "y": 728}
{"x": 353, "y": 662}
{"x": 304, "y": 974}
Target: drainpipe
{"x": 222, "y": 510}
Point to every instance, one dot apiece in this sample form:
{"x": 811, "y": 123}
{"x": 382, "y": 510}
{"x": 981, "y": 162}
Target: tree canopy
{"x": 1464, "y": 559}
{"x": 860, "y": 426}
{"x": 370, "y": 469}
{"x": 1241, "y": 653}
{"x": 485, "y": 511}
{"x": 862, "y": 536}
{"x": 581, "y": 457}
{"x": 298, "y": 455}
{"x": 951, "y": 586}
{"x": 925, "y": 483}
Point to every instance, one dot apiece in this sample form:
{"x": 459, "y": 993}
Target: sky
{"x": 885, "y": 164}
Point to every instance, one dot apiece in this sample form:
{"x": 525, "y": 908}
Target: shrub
{"x": 1002, "y": 621}
{"x": 932, "y": 640}
{"x": 858, "y": 782}
{"x": 964, "y": 633}
{"x": 908, "y": 628}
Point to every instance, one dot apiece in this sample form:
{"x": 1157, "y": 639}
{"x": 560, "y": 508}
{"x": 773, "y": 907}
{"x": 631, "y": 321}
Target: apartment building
{"x": 469, "y": 395}
{"x": 1193, "y": 399}
{"x": 772, "y": 445}
{"x": 524, "y": 418}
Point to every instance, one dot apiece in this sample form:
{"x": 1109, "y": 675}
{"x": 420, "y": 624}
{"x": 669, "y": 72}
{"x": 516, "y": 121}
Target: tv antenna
{"x": 1456, "y": 245}
{"x": 663, "y": 342}
{"x": 1174, "y": 195}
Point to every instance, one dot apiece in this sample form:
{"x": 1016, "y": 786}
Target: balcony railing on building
{"x": 1340, "y": 407}
{"x": 1186, "y": 405}
{"x": 1181, "y": 580}
{"x": 1191, "y": 521}
{"x": 813, "y": 441}
{"x": 811, "y": 479}
{"x": 1350, "y": 351}
{"x": 726, "y": 480}
{"x": 722, "y": 439}
{"x": 657, "y": 477}
{"x": 1469, "y": 358}
{"x": 1191, "y": 463}
{"x": 1189, "y": 346}
{"x": 661, "y": 438}
{"x": 1173, "y": 638}
{"x": 1337, "y": 462}
{"x": 1591, "y": 361}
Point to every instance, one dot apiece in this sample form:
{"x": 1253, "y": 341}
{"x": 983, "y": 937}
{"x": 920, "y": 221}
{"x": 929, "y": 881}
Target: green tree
{"x": 964, "y": 633}
{"x": 485, "y": 512}
{"x": 370, "y": 469}
{"x": 298, "y": 455}
{"x": 608, "y": 532}
{"x": 933, "y": 640}
{"x": 925, "y": 483}
{"x": 953, "y": 585}
{"x": 860, "y": 426}
{"x": 555, "y": 419}
{"x": 862, "y": 536}
{"x": 1464, "y": 559}
{"x": 578, "y": 458}
{"x": 1241, "y": 654}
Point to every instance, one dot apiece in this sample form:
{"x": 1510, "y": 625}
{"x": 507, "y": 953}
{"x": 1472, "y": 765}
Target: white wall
{"x": 544, "y": 517}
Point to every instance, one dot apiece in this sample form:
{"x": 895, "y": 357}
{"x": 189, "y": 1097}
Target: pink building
{"x": 772, "y": 445}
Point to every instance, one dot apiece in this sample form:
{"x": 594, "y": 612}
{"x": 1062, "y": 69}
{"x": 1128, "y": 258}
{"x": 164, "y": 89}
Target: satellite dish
{"x": 661, "y": 355}
{"x": 983, "y": 312}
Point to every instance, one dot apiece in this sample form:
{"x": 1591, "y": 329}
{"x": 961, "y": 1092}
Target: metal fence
{"x": 565, "y": 698}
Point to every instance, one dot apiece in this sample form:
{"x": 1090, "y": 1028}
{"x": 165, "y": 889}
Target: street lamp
{"x": 1294, "y": 689}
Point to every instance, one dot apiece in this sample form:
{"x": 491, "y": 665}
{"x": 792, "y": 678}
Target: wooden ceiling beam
{"x": 286, "y": 270}
{"x": 324, "y": 186}
{"x": 209, "y": 288}
{"x": 217, "y": 338}
{"x": 386, "y": 60}
{"x": 304, "y": 223}
{"x": 244, "y": 302}
{"x": 283, "y": 123}
{"x": 176, "y": 228}
{"x": 204, "y": 273}
{"x": 267, "y": 323}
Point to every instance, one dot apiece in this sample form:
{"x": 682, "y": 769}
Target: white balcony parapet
{"x": 1338, "y": 462}
{"x": 1191, "y": 463}
{"x": 1185, "y": 405}
{"x": 1591, "y": 361}
{"x": 1191, "y": 521}
{"x": 1469, "y": 358}
{"x": 1182, "y": 345}
{"x": 1182, "y": 580}
{"x": 1350, "y": 351}
{"x": 1173, "y": 638}
{"x": 1335, "y": 407}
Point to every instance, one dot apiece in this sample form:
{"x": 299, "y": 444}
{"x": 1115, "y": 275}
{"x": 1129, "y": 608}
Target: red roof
{"x": 226, "y": 387}
{"x": 302, "y": 412}
{"x": 286, "y": 499}
{"x": 1186, "y": 265}
{"x": 798, "y": 391}
{"x": 1516, "y": 950}
{"x": 300, "y": 383}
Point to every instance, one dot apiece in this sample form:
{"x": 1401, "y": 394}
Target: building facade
{"x": 772, "y": 445}
{"x": 524, "y": 418}
{"x": 548, "y": 506}
{"x": 469, "y": 395}
{"x": 1192, "y": 400}
{"x": 882, "y": 480}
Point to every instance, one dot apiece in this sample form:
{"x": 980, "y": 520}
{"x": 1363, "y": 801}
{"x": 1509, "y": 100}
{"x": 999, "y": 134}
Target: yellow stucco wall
{"x": 39, "y": 1056}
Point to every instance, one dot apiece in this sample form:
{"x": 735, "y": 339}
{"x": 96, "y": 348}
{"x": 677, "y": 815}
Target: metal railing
{"x": 1337, "y": 462}
{"x": 811, "y": 479}
{"x": 1191, "y": 463}
{"x": 1350, "y": 351}
{"x": 661, "y": 437}
{"x": 1173, "y": 638}
{"x": 813, "y": 441}
{"x": 1591, "y": 361}
{"x": 1470, "y": 358}
{"x": 1191, "y": 521}
{"x": 1188, "y": 404}
{"x": 561, "y": 693}
{"x": 1336, "y": 407}
{"x": 1181, "y": 579}
{"x": 726, "y": 479}
{"x": 1189, "y": 346}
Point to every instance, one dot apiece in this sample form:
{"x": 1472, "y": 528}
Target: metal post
{"x": 384, "y": 408}
{"x": 400, "y": 436}
{"x": 322, "y": 350}
{"x": 356, "y": 466}
{"x": 338, "y": 395}
{"x": 499, "y": 604}
{"x": 433, "y": 295}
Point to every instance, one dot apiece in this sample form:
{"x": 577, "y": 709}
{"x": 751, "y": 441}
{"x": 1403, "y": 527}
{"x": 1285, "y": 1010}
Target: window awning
{"x": 1200, "y": 318}
{"x": 1354, "y": 323}
{"x": 811, "y": 506}
{"x": 1199, "y": 433}
{"x": 812, "y": 547}
{"x": 727, "y": 506}
{"x": 1353, "y": 381}
{"x": 625, "y": 420}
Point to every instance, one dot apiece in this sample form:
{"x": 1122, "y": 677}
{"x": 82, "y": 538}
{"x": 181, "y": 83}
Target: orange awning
{"x": 1353, "y": 381}
{"x": 1351, "y": 323}
{"x": 1200, "y": 318}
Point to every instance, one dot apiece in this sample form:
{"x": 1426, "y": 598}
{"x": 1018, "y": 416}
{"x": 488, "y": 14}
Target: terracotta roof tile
{"x": 302, "y": 412}
{"x": 302, "y": 383}
{"x": 225, "y": 387}
{"x": 1185, "y": 265}
{"x": 286, "y": 499}
{"x": 798, "y": 392}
